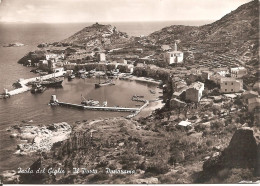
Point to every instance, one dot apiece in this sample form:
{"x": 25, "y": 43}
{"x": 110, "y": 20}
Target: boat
{"x": 53, "y": 82}
{"x": 104, "y": 104}
{"x": 72, "y": 76}
{"x": 138, "y": 96}
{"x": 108, "y": 82}
{"x": 43, "y": 73}
{"x": 89, "y": 102}
{"x": 5, "y": 96}
{"x": 83, "y": 76}
{"x": 37, "y": 88}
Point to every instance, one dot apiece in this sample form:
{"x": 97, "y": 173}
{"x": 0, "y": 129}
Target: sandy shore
{"x": 150, "y": 108}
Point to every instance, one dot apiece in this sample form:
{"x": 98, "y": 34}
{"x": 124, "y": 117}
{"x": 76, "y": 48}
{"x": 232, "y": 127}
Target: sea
{"x": 35, "y": 108}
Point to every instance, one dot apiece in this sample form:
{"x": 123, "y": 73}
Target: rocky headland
{"x": 98, "y": 35}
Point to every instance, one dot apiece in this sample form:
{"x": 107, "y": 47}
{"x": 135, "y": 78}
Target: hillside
{"x": 236, "y": 33}
{"x": 98, "y": 35}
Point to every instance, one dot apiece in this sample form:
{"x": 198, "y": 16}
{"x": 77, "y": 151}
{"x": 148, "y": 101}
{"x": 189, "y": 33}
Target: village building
{"x": 173, "y": 57}
{"x": 194, "y": 92}
{"x": 221, "y": 71}
{"x": 230, "y": 85}
{"x": 101, "y": 57}
{"x": 179, "y": 85}
{"x": 198, "y": 71}
{"x": 55, "y": 57}
{"x": 165, "y": 47}
{"x": 55, "y": 67}
{"x": 248, "y": 95}
{"x": 180, "y": 94}
{"x": 43, "y": 64}
{"x": 238, "y": 72}
{"x": 122, "y": 61}
{"x": 69, "y": 65}
{"x": 184, "y": 123}
{"x": 195, "y": 71}
{"x": 253, "y": 103}
{"x": 206, "y": 75}
{"x": 216, "y": 78}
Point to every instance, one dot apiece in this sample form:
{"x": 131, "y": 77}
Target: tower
{"x": 175, "y": 47}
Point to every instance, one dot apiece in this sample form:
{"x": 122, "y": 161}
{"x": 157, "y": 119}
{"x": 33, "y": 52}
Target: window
{"x": 225, "y": 90}
{"x": 171, "y": 55}
{"x": 231, "y": 90}
{"x": 231, "y": 83}
{"x": 225, "y": 83}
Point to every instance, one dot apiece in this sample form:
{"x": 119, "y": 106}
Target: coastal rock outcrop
{"x": 34, "y": 57}
{"x": 14, "y": 45}
{"x": 41, "y": 138}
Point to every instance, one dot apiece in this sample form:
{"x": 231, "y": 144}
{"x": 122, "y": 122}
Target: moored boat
{"x": 90, "y": 102}
{"x": 72, "y": 76}
{"x": 108, "y": 82}
{"x": 53, "y": 82}
{"x": 37, "y": 88}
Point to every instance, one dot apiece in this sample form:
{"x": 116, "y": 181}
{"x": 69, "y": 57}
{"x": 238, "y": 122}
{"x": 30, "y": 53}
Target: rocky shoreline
{"x": 38, "y": 139}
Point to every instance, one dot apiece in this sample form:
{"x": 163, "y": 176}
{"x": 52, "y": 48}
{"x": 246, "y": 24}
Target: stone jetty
{"x": 23, "y": 83}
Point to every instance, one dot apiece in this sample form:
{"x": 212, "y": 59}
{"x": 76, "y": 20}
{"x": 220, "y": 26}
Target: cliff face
{"x": 98, "y": 35}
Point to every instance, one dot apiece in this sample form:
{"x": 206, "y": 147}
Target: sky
{"x": 72, "y": 11}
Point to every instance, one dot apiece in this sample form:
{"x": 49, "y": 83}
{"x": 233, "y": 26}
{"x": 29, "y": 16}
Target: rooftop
{"x": 184, "y": 123}
{"x": 238, "y": 68}
{"x": 254, "y": 100}
{"x": 225, "y": 79}
{"x": 197, "y": 85}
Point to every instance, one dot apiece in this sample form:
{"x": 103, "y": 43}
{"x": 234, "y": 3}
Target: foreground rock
{"x": 242, "y": 153}
{"x": 9, "y": 176}
{"x": 146, "y": 181}
{"x": 41, "y": 139}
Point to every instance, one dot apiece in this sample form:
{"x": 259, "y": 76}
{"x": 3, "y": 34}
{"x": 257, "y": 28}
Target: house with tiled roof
{"x": 194, "y": 92}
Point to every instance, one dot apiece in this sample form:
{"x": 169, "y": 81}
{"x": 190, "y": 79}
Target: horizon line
{"x": 25, "y": 22}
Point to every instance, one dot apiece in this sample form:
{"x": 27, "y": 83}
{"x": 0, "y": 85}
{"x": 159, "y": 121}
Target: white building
{"x": 238, "y": 72}
{"x": 173, "y": 57}
{"x": 101, "y": 57}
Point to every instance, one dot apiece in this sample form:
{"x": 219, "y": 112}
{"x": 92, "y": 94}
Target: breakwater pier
{"x": 54, "y": 102}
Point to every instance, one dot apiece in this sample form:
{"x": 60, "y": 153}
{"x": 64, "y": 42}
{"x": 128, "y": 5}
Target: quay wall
{"x": 25, "y": 88}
